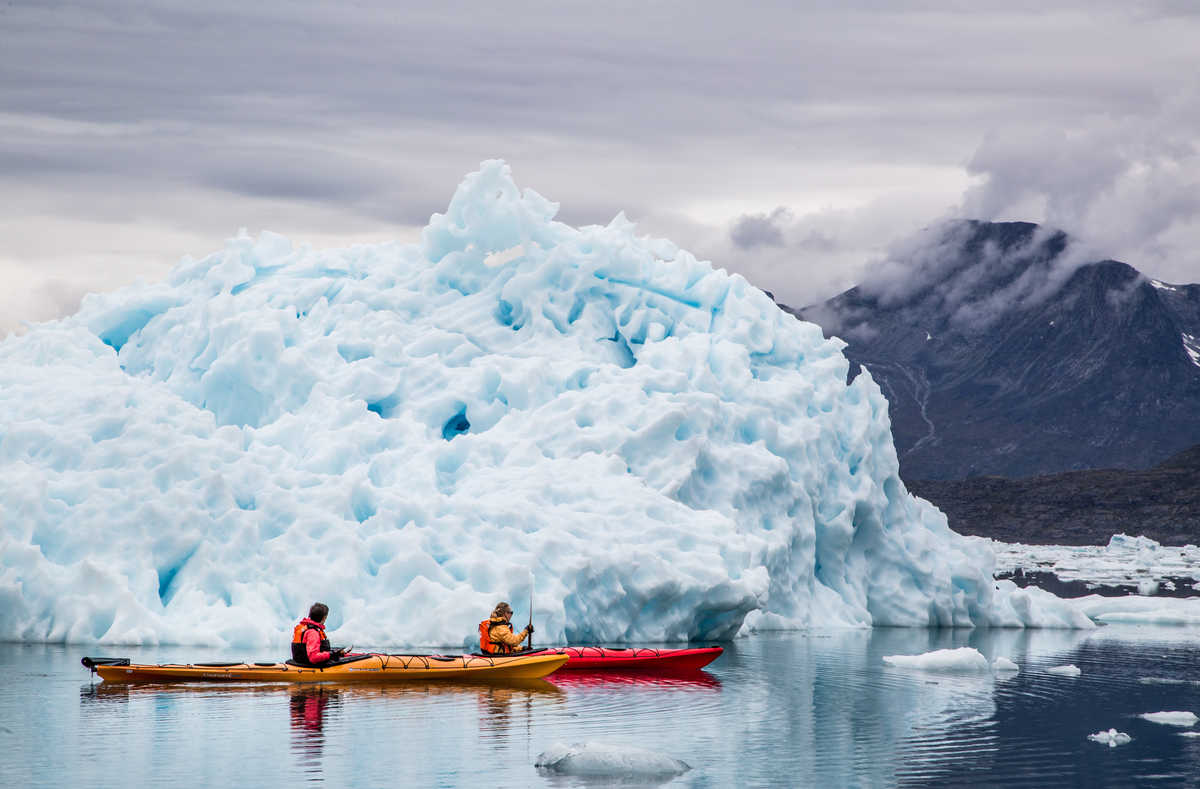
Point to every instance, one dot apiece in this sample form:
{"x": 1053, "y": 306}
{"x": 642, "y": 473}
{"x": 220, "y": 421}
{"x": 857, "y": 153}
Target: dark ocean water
{"x": 795, "y": 709}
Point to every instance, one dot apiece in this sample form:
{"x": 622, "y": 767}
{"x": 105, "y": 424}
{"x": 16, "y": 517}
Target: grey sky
{"x": 792, "y": 142}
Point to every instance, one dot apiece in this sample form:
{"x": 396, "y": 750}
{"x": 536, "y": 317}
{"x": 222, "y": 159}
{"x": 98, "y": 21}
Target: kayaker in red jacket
{"x": 310, "y": 646}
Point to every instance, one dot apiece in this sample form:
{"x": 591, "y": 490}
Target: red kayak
{"x": 636, "y": 658}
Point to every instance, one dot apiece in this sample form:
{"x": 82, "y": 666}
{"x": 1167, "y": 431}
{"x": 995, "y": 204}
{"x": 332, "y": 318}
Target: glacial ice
{"x": 406, "y": 431}
{"x": 1171, "y": 718}
{"x": 606, "y": 760}
{"x": 1125, "y": 561}
{"x": 1112, "y": 738}
{"x": 1136, "y": 609}
{"x": 1068, "y": 670}
{"x": 960, "y": 659}
{"x": 1004, "y": 664}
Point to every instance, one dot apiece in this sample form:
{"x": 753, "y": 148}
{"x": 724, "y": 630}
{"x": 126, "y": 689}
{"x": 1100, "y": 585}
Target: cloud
{"x": 790, "y": 142}
{"x": 805, "y": 257}
{"x": 39, "y": 301}
{"x": 1125, "y": 187}
{"x": 753, "y": 230}
{"x": 971, "y": 272}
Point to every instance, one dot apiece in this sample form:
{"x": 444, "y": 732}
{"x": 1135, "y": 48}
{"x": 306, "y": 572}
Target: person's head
{"x": 503, "y": 610}
{"x": 318, "y": 612}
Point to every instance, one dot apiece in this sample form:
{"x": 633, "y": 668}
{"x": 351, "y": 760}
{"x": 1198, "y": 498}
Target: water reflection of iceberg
{"x": 910, "y": 713}
{"x": 828, "y": 709}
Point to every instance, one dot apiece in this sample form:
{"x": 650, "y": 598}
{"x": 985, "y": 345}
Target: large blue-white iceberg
{"x": 411, "y": 432}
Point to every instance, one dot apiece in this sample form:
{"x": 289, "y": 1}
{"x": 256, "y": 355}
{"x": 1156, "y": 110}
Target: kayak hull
{"x": 636, "y": 659}
{"x": 376, "y": 668}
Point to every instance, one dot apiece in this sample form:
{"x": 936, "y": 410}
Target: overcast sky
{"x": 792, "y": 142}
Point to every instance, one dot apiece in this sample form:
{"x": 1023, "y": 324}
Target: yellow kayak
{"x": 369, "y": 667}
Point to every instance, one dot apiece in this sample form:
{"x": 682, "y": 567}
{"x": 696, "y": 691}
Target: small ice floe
{"x": 1004, "y": 664}
{"x": 1112, "y": 738}
{"x": 961, "y": 659}
{"x": 596, "y": 759}
{"x": 1140, "y": 610}
{"x": 1069, "y": 670}
{"x": 1126, "y": 561}
{"x": 1177, "y": 718}
{"x": 1175, "y": 615}
{"x": 1189, "y": 734}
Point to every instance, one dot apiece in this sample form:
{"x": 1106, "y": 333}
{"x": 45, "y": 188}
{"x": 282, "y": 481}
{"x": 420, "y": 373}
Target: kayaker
{"x": 310, "y": 646}
{"x": 496, "y": 635}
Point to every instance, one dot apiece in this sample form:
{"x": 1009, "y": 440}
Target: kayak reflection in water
{"x": 308, "y": 706}
{"x": 496, "y": 635}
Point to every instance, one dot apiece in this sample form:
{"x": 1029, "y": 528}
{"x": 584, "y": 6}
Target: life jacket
{"x": 486, "y": 644}
{"x": 299, "y": 650}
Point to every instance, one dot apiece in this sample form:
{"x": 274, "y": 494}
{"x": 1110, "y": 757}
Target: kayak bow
{"x": 635, "y": 658}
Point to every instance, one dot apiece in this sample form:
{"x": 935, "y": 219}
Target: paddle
{"x": 529, "y": 644}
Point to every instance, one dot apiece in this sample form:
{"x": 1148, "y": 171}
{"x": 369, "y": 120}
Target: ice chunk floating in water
{"x": 961, "y": 659}
{"x": 602, "y": 760}
{"x": 1069, "y": 670}
{"x": 1004, "y": 664}
{"x": 404, "y": 432}
{"x": 1112, "y": 738}
{"x": 1180, "y": 718}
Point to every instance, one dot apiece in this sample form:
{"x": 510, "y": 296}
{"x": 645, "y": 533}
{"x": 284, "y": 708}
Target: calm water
{"x": 796, "y": 709}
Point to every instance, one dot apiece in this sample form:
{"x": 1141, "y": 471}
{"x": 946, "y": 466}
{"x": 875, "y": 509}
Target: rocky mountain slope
{"x": 1001, "y": 354}
{"x": 1077, "y": 507}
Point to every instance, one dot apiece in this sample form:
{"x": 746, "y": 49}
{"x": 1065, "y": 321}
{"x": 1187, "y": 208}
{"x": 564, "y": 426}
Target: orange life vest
{"x": 486, "y": 644}
{"x": 299, "y": 650}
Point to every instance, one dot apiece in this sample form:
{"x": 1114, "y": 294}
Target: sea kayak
{"x": 369, "y": 667}
{"x": 635, "y": 658}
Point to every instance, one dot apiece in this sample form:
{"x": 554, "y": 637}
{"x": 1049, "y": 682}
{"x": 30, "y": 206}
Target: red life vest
{"x": 486, "y": 644}
{"x": 300, "y": 649}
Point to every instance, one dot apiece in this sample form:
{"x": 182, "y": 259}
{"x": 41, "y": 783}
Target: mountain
{"x": 1077, "y": 507}
{"x": 1001, "y": 353}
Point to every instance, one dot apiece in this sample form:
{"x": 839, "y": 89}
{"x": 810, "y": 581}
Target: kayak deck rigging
{"x": 368, "y": 667}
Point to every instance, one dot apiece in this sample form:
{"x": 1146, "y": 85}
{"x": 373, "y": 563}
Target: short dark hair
{"x": 318, "y": 612}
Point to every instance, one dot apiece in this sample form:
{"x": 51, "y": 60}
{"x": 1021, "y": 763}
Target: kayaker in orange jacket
{"x": 496, "y": 634}
{"x": 310, "y": 645}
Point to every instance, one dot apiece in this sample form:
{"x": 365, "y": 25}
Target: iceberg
{"x": 411, "y": 432}
{"x": 953, "y": 660}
